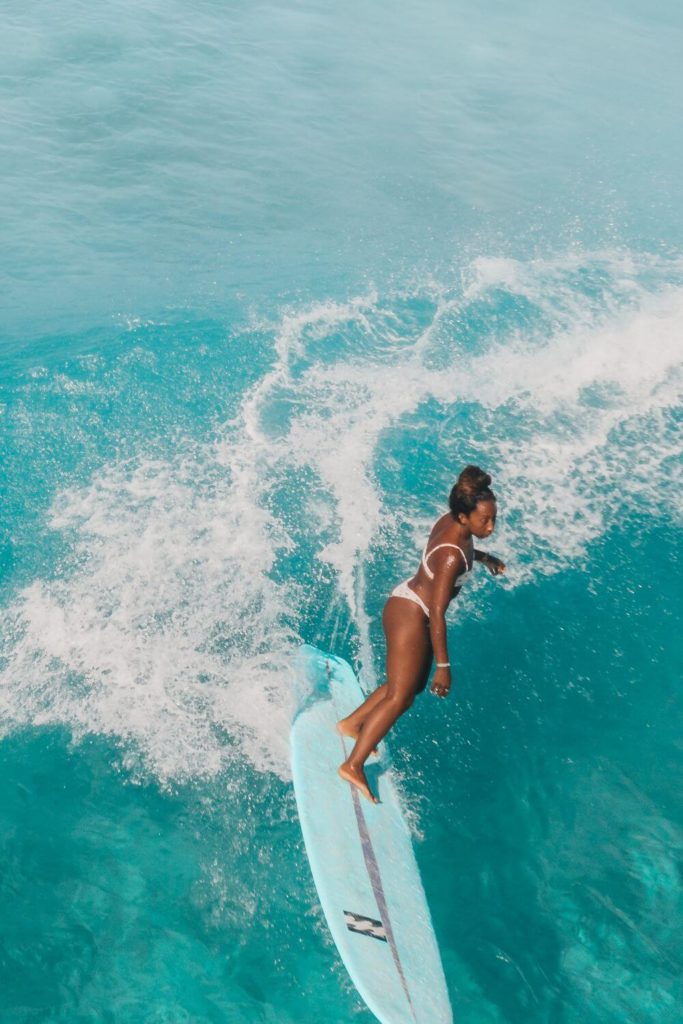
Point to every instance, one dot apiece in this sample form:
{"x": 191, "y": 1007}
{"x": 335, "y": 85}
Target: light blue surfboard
{"x": 362, "y": 859}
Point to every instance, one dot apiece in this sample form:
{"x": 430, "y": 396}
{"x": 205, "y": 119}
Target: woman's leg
{"x": 353, "y": 723}
{"x": 409, "y": 659}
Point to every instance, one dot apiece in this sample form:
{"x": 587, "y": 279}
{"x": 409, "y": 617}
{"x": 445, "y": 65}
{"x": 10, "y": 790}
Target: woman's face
{"x": 483, "y": 520}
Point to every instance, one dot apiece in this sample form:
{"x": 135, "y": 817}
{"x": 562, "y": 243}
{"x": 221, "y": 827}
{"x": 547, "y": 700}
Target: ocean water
{"x": 272, "y": 273}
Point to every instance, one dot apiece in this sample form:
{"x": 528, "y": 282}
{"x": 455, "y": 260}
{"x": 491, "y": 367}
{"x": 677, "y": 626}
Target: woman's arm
{"x": 493, "y": 564}
{"x": 445, "y": 571}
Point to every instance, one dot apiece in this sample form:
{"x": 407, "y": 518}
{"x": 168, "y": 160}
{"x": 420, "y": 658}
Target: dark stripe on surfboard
{"x": 375, "y": 875}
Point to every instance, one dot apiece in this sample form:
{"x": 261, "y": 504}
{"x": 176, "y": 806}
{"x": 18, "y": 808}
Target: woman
{"x": 414, "y": 619}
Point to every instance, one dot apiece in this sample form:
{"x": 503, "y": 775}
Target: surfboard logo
{"x": 365, "y": 925}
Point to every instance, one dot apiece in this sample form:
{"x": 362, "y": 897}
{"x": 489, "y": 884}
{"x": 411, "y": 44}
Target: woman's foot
{"x": 353, "y": 734}
{"x": 356, "y": 776}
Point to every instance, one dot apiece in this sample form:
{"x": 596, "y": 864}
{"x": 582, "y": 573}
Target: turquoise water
{"x": 271, "y": 275}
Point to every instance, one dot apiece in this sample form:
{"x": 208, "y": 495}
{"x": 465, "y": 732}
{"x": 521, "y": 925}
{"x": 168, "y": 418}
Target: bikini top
{"x": 459, "y": 580}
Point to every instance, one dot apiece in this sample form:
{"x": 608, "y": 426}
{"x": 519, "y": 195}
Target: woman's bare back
{"x": 446, "y": 530}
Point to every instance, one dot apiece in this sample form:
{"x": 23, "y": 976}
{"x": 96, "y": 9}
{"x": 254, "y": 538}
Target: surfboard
{"x": 362, "y": 858}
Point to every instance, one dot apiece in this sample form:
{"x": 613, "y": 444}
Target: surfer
{"x": 414, "y": 619}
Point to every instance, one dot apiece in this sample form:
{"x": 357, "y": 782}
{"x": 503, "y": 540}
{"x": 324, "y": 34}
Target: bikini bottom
{"x": 403, "y": 590}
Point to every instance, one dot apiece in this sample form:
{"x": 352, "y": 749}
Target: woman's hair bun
{"x": 473, "y": 485}
{"x": 473, "y": 480}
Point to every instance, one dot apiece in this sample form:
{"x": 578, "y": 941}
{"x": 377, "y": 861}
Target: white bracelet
{"x": 443, "y": 664}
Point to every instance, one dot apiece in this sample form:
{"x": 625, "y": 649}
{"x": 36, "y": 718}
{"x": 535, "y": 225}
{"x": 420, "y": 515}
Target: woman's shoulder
{"x": 446, "y": 530}
{"x": 442, "y": 526}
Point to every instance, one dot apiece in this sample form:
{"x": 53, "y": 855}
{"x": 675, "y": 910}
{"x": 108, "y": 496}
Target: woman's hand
{"x": 441, "y": 683}
{"x": 494, "y": 565}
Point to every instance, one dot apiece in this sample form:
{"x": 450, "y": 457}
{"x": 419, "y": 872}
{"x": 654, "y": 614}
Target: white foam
{"x": 165, "y": 631}
{"x": 167, "y": 628}
{"x": 554, "y": 411}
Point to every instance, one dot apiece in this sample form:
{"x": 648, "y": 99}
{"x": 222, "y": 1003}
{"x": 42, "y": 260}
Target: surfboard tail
{"x": 362, "y": 861}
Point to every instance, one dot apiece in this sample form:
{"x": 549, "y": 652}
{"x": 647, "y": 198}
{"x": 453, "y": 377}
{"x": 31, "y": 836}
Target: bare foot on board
{"x": 356, "y": 776}
{"x": 353, "y": 734}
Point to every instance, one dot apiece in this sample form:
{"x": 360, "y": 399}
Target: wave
{"x": 170, "y": 624}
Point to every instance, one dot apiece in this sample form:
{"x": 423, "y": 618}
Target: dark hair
{"x": 473, "y": 486}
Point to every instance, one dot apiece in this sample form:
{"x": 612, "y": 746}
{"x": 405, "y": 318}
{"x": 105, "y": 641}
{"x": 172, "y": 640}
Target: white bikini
{"x": 403, "y": 590}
